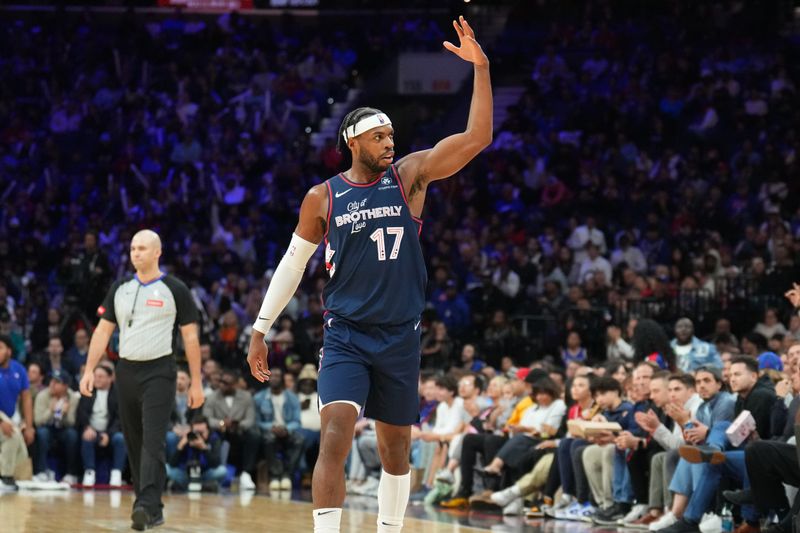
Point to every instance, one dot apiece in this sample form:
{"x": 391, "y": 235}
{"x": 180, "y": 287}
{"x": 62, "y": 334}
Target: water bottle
{"x": 727, "y": 520}
{"x": 58, "y": 413}
{"x": 195, "y": 477}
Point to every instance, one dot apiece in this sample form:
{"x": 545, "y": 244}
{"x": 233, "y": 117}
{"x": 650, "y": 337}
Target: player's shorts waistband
{"x": 332, "y": 318}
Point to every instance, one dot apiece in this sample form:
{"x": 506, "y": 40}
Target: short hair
{"x": 652, "y": 365}
{"x": 351, "y": 119}
{"x": 198, "y": 418}
{"x": 607, "y": 384}
{"x": 448, "y": 382}
{"x": 686, "y": 379}
{"x": 480, "y": 381}
{"x": 758, "y": 339}
{"x": 427, "y": 375}
{"x": 663, "y": 375}
{"x": 592, "y": 379}
{"x": 231, "y": 372}
{"x": 5, "y": 339}
{"x": 708, "y": 369}
{"x": 105, "y": 368}
{"x": 547, "y": 386}
{"x": 750, "y": 362}
{"x": 560, "y": 371}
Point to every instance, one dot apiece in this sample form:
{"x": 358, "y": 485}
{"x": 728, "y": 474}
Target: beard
{"x": 373, "y": 164}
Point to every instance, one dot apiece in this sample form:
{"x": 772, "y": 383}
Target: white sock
{"x": 515, "y": 490}
{"x": 327, "y": 520}
{"x": 392, "y": 501}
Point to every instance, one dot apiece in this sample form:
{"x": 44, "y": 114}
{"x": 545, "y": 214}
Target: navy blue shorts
{"x": 376, "y": 367}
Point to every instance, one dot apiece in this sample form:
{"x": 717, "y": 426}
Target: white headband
{"x": 372, "y": 121}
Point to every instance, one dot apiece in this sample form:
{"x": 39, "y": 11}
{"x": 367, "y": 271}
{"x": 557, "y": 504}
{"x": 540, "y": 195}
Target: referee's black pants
{"x": 146, "y": 399}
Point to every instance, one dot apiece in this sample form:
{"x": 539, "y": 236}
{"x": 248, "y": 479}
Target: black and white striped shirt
{"x": 148, "y": 315}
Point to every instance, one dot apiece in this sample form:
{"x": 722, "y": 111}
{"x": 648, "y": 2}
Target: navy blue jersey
{"x": 372, "y": 252}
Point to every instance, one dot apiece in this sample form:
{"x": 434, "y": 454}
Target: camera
{"x": 192, "y": 436}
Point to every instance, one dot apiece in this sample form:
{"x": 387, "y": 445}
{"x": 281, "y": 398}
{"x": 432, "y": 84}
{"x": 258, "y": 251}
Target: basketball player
{"x": 369, "y": 217}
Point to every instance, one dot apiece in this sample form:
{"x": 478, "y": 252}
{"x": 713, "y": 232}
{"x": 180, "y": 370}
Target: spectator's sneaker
{"x": 506, "y": 496}
{"x": 710, "y": 523}
{"x": 7, "y": 484}
{"x": 682, "y": 526}
{"x": 246, "y": 482}
{"x": 701, "y": 454}
{"x": 70, "y": 480}
{"x": 516, "y": 507}
{"x": 445, "y": 476}
{"x": 368, "y": 488}
{"x": 568, "y": 513}
{"x": 286, "y": 484}
{"x": 275, "y": 486}
{"x": 459, "y": 502}
{"x": 537, "y": 510}
{"x": 665, "y": 521}
{"x": 88, "y": 478}
{"x": 587, "y": 512}
{"x": 142, "y": 520}
{"x": 612, "y": 515}
{"x": 638, "y": 511}
{"x": 419, "y": 495}
{"x": 115, "y": 480}
{"x": 561, "y": 504}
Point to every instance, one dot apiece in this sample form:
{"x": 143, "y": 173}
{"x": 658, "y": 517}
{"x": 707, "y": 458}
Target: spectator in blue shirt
{"x": 278, "y": 417}
{"x": 14, "y": 388}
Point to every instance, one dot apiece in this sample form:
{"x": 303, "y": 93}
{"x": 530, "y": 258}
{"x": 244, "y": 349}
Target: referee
{"x": 149, "y": 309}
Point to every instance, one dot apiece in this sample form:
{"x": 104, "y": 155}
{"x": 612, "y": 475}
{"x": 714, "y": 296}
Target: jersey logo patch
{"x": 386, "y": 181}
{"x": 155, "y": 303}
{"x": 339, "y": 194}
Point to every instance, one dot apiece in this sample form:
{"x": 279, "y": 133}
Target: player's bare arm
{"x": 308, "y": 234}
{"x": 452, "y": 153}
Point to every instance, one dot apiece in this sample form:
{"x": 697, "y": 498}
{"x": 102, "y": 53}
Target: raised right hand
{"x": 257, "y": 357}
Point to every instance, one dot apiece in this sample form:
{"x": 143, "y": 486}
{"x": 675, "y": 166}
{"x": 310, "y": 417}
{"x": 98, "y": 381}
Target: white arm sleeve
{"x": 284, "y": 282}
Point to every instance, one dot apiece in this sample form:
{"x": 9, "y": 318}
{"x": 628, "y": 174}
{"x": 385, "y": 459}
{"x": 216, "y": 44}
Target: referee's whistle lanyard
{"x": 133, "y": 307}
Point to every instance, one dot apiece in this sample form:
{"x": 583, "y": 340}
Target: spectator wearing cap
{"x": 54, "y": 415}
{"x": 97, "y": 422}
{"x": 278, "y": 417}
{"x": 770, "y": 360}
{"x": 310, "y": 423}
{"x": 15, "y": 390}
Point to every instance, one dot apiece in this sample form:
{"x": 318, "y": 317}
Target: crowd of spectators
{"x": 650, "y": 169}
